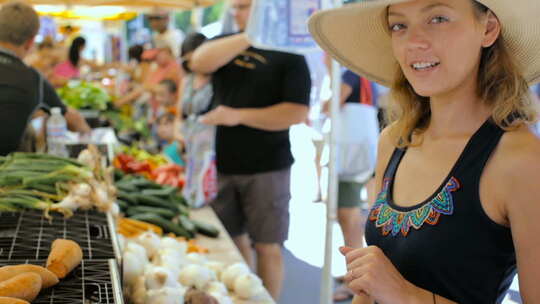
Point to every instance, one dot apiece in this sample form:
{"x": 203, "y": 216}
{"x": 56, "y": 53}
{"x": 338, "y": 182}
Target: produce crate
{"x": 94, "y": 281}
{"x": 29, "y": 235}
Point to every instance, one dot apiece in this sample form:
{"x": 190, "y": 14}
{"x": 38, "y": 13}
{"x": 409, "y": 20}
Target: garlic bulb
{"x": 229, "y": 275}
{"x": 196, "y": 276}
{"x": 132, "y": 266}
{"x": 166, "y": 295}
{"x": 86, "y": 158}
{"x": 171, "y": 259}
{"x": 159, "y": 277}
{"x": 217, "y": 287}
{"x": 138, "y": 294}
{"x": 216, "y": 267}
{"x": 139, "y": 250}
{"x": 171, "y": 243}
{"x": 150, "y": 241}
{"x": 222, "y": 299}
{"x": 196, "y": 258}
{"x": 248, "y": 286}
{"x": 82, "y": 189}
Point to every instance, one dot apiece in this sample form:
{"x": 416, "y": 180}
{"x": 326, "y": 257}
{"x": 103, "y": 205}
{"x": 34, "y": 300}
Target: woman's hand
{"x": 371, "y": 273}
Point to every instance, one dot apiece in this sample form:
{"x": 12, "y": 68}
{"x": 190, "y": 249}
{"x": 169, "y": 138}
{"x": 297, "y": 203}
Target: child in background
{"x": 171, "y": 144}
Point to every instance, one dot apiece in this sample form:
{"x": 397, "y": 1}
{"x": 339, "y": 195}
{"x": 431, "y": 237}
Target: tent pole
{"x": 327, "y": 283}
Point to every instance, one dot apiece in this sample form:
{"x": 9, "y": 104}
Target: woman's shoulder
{"x": 517, "y": 158}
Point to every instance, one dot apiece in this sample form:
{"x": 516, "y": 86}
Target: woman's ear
{"x": 492, "y": 30}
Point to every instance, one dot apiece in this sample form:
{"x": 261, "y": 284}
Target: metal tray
{"x": 29, "y": 235}
{"x": 95, "y": 281}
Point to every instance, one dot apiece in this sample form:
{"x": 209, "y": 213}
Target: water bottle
{"x": 56, "y": 133}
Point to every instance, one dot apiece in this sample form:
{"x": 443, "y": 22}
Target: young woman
{"x": 458, "y": 170}
{"x": 70, "y": 69}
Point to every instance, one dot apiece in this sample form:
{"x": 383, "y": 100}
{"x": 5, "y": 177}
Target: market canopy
{"x": 173, "y": 4}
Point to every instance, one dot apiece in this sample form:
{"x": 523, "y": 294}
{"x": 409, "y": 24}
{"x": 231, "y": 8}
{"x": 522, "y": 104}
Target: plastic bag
{"x": 282, "y": 24}
{"x": 357, "y": 142}
{"x": 201, "y": 172}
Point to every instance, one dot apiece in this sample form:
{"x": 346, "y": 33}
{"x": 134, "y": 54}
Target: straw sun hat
{"x": 357, "y": 36}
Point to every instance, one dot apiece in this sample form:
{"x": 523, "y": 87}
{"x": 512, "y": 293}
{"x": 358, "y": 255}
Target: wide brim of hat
{"x": 357, "y": 36}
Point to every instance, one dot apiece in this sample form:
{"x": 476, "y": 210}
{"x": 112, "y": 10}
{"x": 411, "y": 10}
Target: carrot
{"x": 7, "y": 300}
{"x": 25, "y": 286}
{"x": 64, "y": 257}
{"x": 48, "y": 278}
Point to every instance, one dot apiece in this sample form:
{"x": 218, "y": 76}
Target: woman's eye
{"x": 396, "y": 27}
{"x": 439, "y": 19}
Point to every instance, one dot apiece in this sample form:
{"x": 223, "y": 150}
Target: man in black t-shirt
{"x": 22, "y": 89}
{"x": 259, "y": 94}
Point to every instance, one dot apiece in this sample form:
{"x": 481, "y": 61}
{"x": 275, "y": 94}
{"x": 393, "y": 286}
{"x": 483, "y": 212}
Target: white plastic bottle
{"x": 56, "y": 133}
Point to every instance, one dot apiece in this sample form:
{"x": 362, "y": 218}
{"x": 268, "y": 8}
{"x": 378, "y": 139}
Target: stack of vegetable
{"x": 50, "y": 183}
{"x": 124, "y": 124}
{"x": 144, "y": 200}
{"x": 153, "y": 167}
{"x": 21, "y": 284}
{"x": 84, "y": 95}
{"x": 161, "y": 270}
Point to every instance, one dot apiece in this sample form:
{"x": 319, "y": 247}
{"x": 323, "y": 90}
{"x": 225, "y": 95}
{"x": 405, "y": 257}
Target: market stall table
{"x": 223, "y": 249}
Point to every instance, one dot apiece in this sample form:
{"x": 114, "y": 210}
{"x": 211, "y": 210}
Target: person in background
{"x": 164, "y": 36}
{"x": 165, "y": 97}
{"x": 22, "y": 89}
{"x": 70, "y": 69}
{"x": 196, "y": 90}
{"x": 45, "y": 58}
{"x": 457, "y": 213}
{"x": 171, "y": 145}
{"x": 259, "y": 94}
{"x": 166, "y": 68}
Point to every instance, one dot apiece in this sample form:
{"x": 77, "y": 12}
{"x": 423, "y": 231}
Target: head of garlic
{"x": 150, "y": 241}
{"x": 86, "y": 158}
{"x": 216, "y": 267}
{"x": 197, "y": 276}
{"x": 248, "y": 286}
{"x": 166, "y": 295}
{"x": 81, "y": 189}
{"x": 171, "y": 259}
{"x": 138, "y": 250}
{"x": 229, "y": 275}
{"x": 222, "y": 299}
{"x": 217, "y": 288}
{"x": 138, "y": 293}
{"x": 133, "y": 267}
{"x": 196, "y": 258}
{"x": 174, "y": 244}
{"x": 159, "y": 277}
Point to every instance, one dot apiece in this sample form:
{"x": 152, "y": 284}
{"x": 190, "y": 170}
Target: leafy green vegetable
{"x": 84, "y": 95}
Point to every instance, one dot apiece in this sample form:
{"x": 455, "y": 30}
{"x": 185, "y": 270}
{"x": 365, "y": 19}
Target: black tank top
{"x": 447, "y": 244}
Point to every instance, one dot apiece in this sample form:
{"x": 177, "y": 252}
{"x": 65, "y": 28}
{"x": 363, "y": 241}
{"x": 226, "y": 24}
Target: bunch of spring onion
{"x": 48, "y": 183}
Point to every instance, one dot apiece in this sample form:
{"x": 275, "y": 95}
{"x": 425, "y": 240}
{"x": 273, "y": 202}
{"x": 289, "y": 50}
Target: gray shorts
{"x": 257, "y": 204}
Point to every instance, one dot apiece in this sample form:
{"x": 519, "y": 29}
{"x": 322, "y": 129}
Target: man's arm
{"x": 214, "y": 54}
{"x": 278, "y": 117}
{"x": 74, "y": 119}
{"x": 76, "y": 122}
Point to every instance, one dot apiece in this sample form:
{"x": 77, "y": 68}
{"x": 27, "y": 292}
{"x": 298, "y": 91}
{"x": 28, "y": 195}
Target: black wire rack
{"x": 92, "y": 282}
{"x": 29, "y": 235}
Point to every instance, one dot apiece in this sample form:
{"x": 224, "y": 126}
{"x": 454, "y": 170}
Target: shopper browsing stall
{"x": 459, "y": 72}
{"x": 164, "y": 36}
{"x": 22, "y": 89}
{"x": 259, "y": 94}
{"x": 196, "y": 100}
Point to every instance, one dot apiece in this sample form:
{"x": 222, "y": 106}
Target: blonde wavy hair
{"x": 500, "y": 84}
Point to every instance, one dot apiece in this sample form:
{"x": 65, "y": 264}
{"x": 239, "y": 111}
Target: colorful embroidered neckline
{"x": 395, "y": 221}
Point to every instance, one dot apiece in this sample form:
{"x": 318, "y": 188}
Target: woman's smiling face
{"x": 438, "y": 43}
